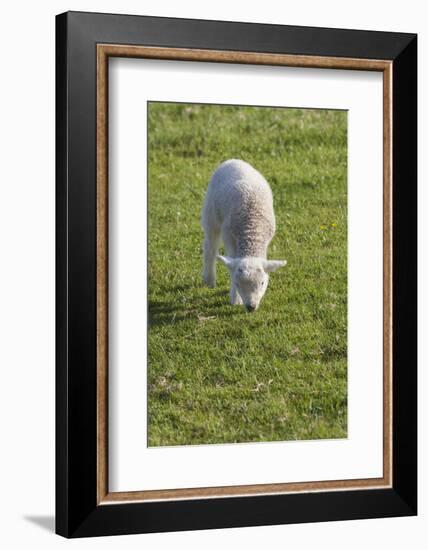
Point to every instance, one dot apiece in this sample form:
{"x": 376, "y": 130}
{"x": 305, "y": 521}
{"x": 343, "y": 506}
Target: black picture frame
{"x": 77, "y": 511}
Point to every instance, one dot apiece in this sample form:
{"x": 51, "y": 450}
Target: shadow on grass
{"x": 213, "y": 304}
{"x": 176, "y": 288}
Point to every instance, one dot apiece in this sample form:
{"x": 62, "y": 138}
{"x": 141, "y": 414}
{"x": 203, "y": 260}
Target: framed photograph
{"x": 236, "y": 274}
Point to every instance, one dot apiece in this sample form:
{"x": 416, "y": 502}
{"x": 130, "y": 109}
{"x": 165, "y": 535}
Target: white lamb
{"x": 238, "y": 208}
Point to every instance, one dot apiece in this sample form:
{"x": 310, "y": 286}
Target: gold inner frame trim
{"x": 104, "y": 51}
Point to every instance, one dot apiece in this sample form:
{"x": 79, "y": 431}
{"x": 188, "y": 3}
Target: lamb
{"x": 238, "y": 208}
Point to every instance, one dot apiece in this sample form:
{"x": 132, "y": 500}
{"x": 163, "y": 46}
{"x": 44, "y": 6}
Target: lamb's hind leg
{"x": 211, "y": 245}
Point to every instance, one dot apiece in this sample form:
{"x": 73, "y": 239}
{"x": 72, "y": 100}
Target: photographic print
{"x": 247, "y": 276}
{"x": 235, "y": 275}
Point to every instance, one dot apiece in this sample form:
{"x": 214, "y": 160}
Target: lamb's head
{"x": 250, "y": 276}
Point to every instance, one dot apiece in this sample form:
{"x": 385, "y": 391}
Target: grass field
{"x": 216, "y": 373}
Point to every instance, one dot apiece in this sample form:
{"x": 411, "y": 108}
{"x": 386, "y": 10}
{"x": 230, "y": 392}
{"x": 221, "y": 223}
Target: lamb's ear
{"x": 228, "y": 262}
{"x": 273, "y": 265}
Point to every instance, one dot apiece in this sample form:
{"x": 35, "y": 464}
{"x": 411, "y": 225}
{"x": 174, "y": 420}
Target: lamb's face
{"x": 250, "y": 277}
{"x": 251, "y": 281}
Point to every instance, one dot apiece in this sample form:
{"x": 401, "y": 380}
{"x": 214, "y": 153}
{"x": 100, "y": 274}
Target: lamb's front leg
{"x": 235, "y": 297}
{"x": 211, "y": 244}
{"x": 230, "y": 246}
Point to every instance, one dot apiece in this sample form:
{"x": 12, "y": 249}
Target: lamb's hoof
{"x": 210, "y": 282}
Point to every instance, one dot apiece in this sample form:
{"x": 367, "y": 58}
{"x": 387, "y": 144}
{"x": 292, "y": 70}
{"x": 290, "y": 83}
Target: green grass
{"x": 217, "y": 374}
